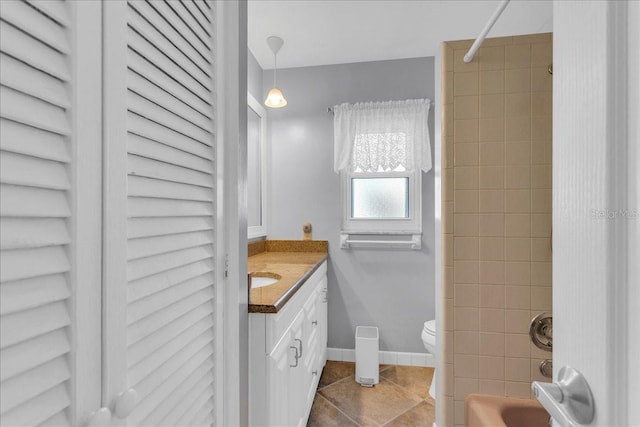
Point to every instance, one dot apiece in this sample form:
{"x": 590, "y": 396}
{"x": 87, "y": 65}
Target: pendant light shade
{"x": 275, "y": 98}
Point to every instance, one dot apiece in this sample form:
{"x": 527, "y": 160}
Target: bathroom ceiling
{"x": 320, "y": 32}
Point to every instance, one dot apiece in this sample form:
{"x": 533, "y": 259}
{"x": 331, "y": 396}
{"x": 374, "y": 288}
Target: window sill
{"x": 381, "y": 241}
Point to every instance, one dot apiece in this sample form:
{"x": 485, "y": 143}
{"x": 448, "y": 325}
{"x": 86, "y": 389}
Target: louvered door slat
{"x": 157, "y": 283}
{"x": 20, "y": 264}
{"x": 200, "y": 390}
{"x": 149, "y": 246}
{"x": 29, "y": 50}
{"x": 48, "y": 405}
{"x": 190, "y": 24}
{"x": 22, "y": 15}
{"x": 148, "y": 227}
{"x": 33, "y": 202}
{"x": 55, "y": 9}
{"x": 204, "y": 417}
{"x": 161, "y": 300}
{"x": 142, "y": 166}
{"x": 31, "y": 111}
{"x": 20, "y": 326}
{"x": 25, "y": 170}
{"x": 197, "y": 16}
{"x": 24, "y": 233}
{"x": 200, "y": 402}
{"x": 156, "y": 150}
{"x": 202, "y": 8}
{"x": 146, "y": 207}
{"x": 37, "y": 143}
{"x": 33, "y": 82}
{"x": 18, "y": 358}
{"x": 145, "y": 348}
{"x": 160, "y": 24}
{"x": 27, "y": 294}
{"x": 142, "y": 370}
{"x": 152, "y": 187}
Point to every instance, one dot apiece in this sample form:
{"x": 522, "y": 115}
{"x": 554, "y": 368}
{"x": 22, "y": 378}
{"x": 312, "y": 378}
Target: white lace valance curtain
{"x": 374, "y": 136}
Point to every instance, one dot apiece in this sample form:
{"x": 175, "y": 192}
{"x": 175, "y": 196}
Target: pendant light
{"x": 275, "y": 98}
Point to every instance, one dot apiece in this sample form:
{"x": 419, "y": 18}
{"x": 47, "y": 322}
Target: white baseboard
{"x": 385, "y": 357}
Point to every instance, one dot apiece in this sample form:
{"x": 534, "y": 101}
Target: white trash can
{"x": 367, "y": 363}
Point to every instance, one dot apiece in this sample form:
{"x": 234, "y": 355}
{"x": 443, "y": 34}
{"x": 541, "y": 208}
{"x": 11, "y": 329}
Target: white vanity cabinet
{"x": 287, "y": 351}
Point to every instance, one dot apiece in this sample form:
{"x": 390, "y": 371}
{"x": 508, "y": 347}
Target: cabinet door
{"x": 50, "y": 231}
{"x": 285, "y": 372}
{"x": 161, "y": 210}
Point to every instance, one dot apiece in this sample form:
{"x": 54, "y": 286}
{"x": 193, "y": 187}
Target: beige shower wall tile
{"x": 541, "y": 153}
{"x": 491, "y": 58}
{"x": 541, "y": 249}
{"x": 465, "y": 83}
{"x": 492, "y": 296}
{"x": 517, "y": 80}
{"x": 541, "y": 200}
{"x": 491, "y": 153}
{"x": 517, "y": 369}
{"x": 491, "y": 248}
{"x": 517, "y": 345}
{"x": 517, "y": 56}
{"x": 518, "y": 297}
{"x": 458, "y": 61}
{"x": 491, "y": 130}
{"x": 541, "y": 176}
{"x": 465, "y": 272}
{"x": 491, "y": 367}
{"x": 491, "y": 82}
{"x": 541, "y": 225}
{"x": 465, "y": 296}
{"x": 465, "y": 224}
{"x": 490, "y": 177}
{"x": 465, "y": 130}
{"x": 492, "y": 387}
{"x": 465, "y": 201}
{"x": 492, "y": 272}
{"x": 466, "y": 178}
{"x": 521, "y": 390}
{"x": 465, "y": 248}
{"x": 518, "y": 273}
{"x": 465, "y": 365}
{"x": 492, "y": 106}
{"x": 518, "y": 153}
{"x": 518, "y": 104}
{"x": 541, "y": 54}
{"x": 541, "y": 128}
{"x": 491, "y": 201}
{"x": 491, "y": 344}
{"x": 465, "y": 319}
{"x": 518, "y": 225}
{"x": 541, "y": 298}
{"x": 518, "y": 201}
{"x": 447, "y": 250}
{"x": 491, "y": 320}
{"x": 541, "y": 104}
{"x": 541, "y": 273}
{"x": 463, "y": 387}
{"x": 465, "y": 342}
{"x": 541, "y": 80}
{"x": 517, "y": 249}
{"x": 491, "y": 224}
{"x": 518, "y": 129}
{"x": 517, "y": 321}
{"x": 465, "y": 154}
{"x": 465, "y": 107}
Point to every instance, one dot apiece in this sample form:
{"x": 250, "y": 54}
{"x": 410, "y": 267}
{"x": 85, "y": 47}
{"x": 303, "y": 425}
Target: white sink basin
{"x": 259, "y": 280}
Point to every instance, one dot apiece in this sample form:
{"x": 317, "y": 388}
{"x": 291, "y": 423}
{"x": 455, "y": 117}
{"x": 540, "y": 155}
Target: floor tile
{"x": 335, "y": 371}
{"x": 369, "y": 405}
{"x": 415, "y": 379}
{"x": 422, "y": 415}
{"x": 324, "y": 414}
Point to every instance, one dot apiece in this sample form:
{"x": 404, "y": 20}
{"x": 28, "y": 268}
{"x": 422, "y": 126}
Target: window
{"x": 380, "y": 150}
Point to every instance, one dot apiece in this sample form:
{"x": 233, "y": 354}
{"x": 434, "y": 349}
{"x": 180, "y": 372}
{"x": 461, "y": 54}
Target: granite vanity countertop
{"x": 294, "y": 260}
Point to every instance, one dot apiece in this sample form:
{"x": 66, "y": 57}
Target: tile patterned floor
{"x": 400, "y": 399}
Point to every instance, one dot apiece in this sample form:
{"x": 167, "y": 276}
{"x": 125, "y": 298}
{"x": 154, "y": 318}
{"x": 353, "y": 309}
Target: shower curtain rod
{"x": 476, "y": 44}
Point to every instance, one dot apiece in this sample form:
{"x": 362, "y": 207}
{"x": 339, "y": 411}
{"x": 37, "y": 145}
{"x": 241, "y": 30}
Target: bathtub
{"x": 497, "y": 411}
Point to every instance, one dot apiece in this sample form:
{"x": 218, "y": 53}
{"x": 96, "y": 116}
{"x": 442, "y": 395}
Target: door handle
{"x": 300, "y": 341}
{"x": 297, "y": 356}
{"x": 126, "y": 403}
{"x": 569, "y": 401}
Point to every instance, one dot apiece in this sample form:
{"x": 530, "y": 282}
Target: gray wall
{"x": 390, "y": 289}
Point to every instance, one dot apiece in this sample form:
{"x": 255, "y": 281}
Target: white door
{"x": 50, "y": 234}
{"x": 596, "y": 230}
{"x": 160, "y": 204}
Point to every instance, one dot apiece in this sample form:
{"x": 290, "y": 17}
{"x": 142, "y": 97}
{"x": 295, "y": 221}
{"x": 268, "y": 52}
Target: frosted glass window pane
{"x": 380, "y": 198}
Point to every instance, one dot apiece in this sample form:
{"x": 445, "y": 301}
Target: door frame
{"x": 595, "y": 154}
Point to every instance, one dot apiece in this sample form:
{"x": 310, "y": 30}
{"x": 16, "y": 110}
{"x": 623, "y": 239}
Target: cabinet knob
{"x": 315, "y": 322}
{"x": 315, "y": 373}
{"x": 126, "y": 403}
{"x": 100, "y": 418}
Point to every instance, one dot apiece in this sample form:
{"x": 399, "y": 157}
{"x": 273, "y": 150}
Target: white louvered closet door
{"x": 50, "y": 144}
{"x": 167, "y": 351}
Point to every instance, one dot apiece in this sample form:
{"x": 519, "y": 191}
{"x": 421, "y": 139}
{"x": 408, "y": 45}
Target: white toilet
{"x": 429, "y": 340}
